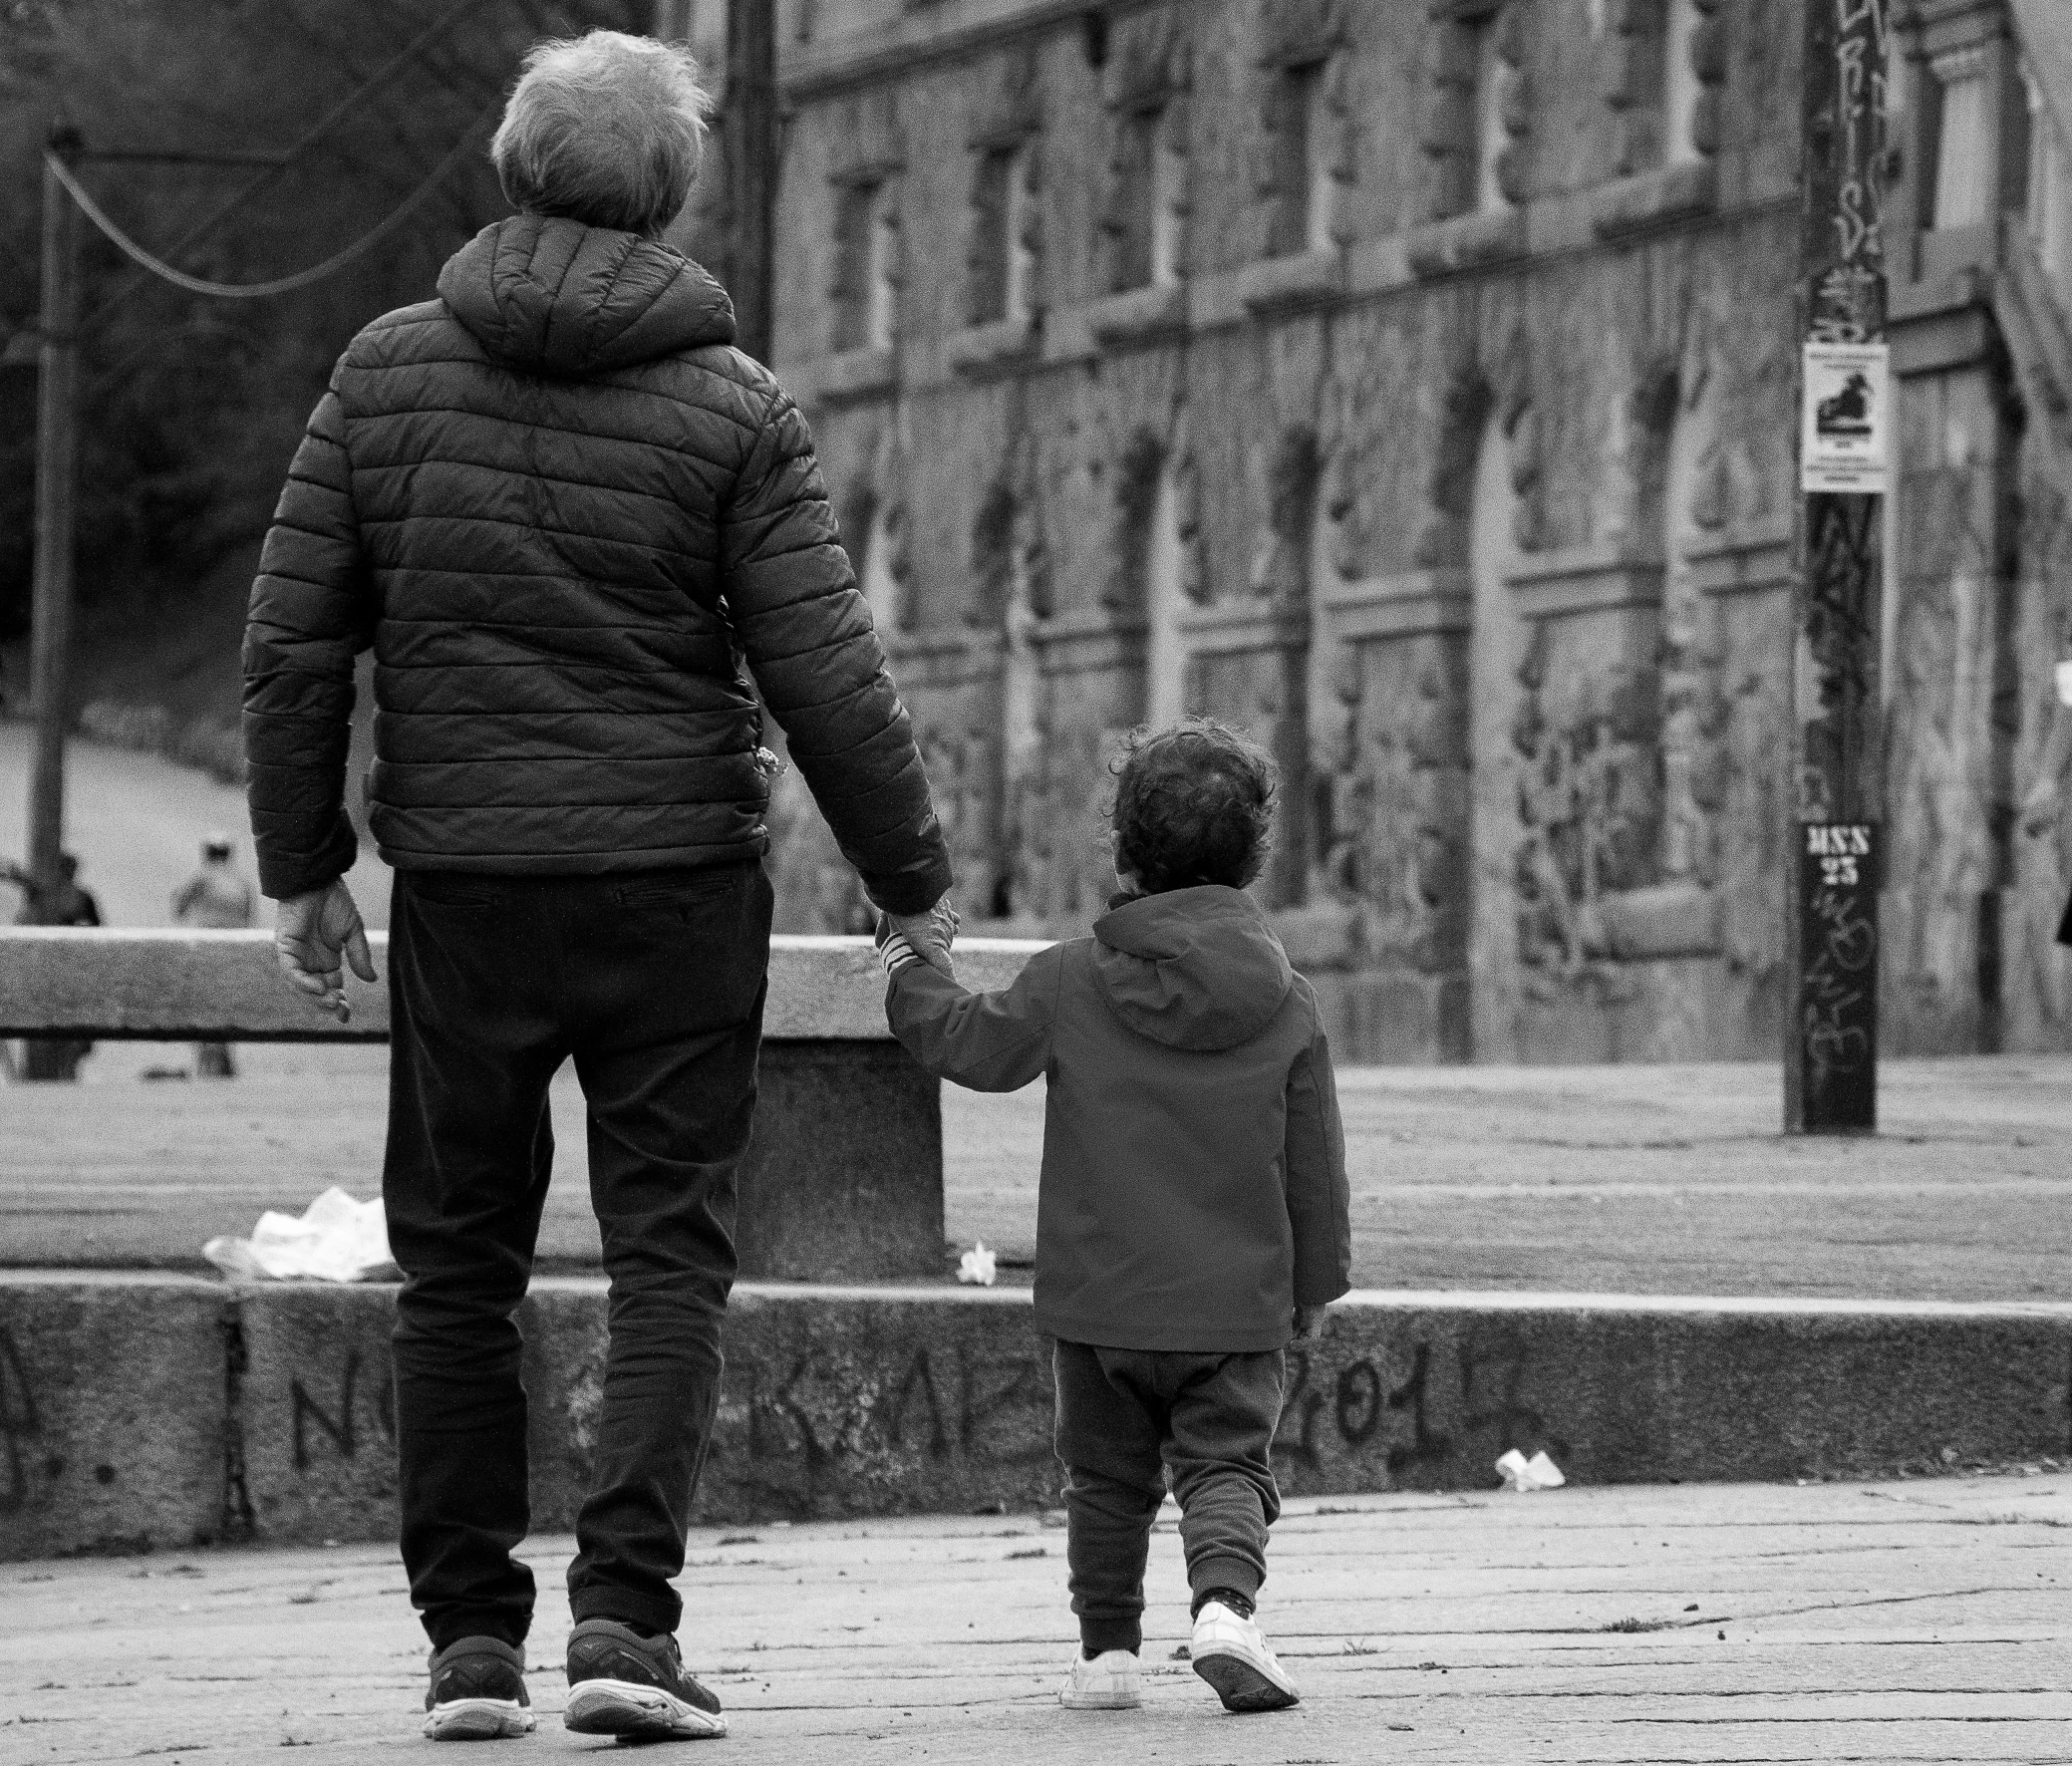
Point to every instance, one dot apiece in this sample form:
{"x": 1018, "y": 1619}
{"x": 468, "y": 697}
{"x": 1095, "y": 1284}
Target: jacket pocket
{"x": 449, "y": 889}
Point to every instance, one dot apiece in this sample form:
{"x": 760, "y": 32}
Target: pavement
{"x": 136, "y": 820}
{"x": 1622, "y": 1180}
{"x": 1919, "y": 1621}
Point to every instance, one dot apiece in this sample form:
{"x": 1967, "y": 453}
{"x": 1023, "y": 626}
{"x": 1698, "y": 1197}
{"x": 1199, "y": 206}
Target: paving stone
{"x": 1923, "y": 1621}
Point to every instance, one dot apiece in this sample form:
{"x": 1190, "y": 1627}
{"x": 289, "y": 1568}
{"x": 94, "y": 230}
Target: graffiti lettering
{"x": 1024, "y": 1388}
{"x": 1422, "y": 1411}
{"x": 764, "y": 1443}
{"x": 20, "y": 1427}
{"x": 1489, "y": 1388}
{"x": 340, "y": 1426}
{"x": 1426, "y": 1444}
{"x": 922, "y": 1376}
{"x": 1359, "y": 1409}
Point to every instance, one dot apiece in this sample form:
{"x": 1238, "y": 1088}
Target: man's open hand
{"x": 314, "y": 936}
{"x": 931, "y": 934}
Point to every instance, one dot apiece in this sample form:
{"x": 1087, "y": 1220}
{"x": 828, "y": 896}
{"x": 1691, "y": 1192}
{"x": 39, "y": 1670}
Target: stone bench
{"x": 844, "y": 1176}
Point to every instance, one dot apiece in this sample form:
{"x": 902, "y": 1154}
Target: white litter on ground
{"x": 335, "y": 1238}
{"x": 1527, "y": 1475}
{"x": 978, "y": 1266}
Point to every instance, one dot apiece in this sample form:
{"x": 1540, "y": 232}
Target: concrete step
{"x": 150, "y": 1410}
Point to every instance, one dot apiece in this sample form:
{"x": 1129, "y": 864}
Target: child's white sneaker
{"x": 1232, "y": 1654}
{"x": 1107, "y": 1684}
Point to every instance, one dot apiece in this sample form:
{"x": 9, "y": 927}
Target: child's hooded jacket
{"x": 1194, "y": 1169}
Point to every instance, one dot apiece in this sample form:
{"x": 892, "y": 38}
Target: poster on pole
{"x": 1846, "y": 427}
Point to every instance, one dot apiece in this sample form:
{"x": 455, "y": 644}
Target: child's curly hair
{"x": 1194, "y": 803}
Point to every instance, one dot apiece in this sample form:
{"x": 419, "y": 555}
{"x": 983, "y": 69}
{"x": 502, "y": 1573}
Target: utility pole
{"x": 750, "y": 130}
{"x": 1845, "y": 441}
{"x": 57, "y": 467}
{"x": 50, "y": 640}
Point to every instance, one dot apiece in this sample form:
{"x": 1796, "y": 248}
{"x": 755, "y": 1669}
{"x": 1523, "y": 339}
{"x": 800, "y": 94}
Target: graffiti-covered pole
{"x": 1846, "y": 444}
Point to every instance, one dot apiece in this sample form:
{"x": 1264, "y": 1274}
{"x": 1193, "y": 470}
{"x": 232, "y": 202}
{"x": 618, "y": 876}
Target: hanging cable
{"x": 283, "y": 284}
{"x": 308, "y": 139}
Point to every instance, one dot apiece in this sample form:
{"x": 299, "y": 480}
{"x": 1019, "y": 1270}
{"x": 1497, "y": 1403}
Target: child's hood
{"x": 1195, "y": 969}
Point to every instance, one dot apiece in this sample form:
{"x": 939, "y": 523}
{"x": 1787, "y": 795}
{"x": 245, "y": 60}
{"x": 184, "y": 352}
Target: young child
{"x": 1193, "y": 1214}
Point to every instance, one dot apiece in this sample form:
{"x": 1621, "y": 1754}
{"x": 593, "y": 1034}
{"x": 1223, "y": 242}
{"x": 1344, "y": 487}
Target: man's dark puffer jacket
{"x": 565, "y": 510}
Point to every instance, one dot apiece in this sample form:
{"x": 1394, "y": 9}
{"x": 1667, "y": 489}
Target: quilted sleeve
{"x": 1320, "y": 1206}
{"x": 312, "y": 610}
{"x": 996, "y": 1042}
{"x": 808, "y": 638}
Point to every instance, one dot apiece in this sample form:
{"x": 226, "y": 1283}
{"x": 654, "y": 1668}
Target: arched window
{"x": 1682, "y": 87}
{"x": 1962, "y": 187}
{"x": 1021, "y": 740}
{"x": 1509, "y": 889}
{"x": 1684, "y": 851}
{"x": 1166, "y": 654}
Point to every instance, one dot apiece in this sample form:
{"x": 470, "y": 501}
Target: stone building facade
{"x": 1410, "y": 382}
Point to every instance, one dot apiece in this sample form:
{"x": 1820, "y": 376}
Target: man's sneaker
{"x": 1107, "y": 1684}
{"x": 621, "y": 1684}
{"x": 478, "y": 1692}
{"x": 1231, "y": 1653}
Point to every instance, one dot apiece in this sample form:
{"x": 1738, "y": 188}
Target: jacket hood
{"x": 1195, "y": 969}
{"x": 549, "y": 295}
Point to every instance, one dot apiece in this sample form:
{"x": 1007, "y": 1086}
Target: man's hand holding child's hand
{"x": 925, "y": 938}
{"x": 1309, "y": 1324}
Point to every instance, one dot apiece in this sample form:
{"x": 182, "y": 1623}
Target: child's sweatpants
{"x": 1125, "y": 1417}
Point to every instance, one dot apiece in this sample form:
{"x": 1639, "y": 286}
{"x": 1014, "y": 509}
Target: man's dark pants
{"x": 1126, "y": 1418}
{"x": 654, "y": 984}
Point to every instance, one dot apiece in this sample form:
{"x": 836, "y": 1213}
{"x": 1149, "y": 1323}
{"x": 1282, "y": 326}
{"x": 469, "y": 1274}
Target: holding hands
{"x": 906, "y": 937}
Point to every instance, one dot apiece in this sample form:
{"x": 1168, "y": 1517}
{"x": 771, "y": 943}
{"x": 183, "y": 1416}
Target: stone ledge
{"x": 159, "y": 1412}
{"x": 173, "y": 986}
{"x": 1412, "y": 604}
{"x": 1467, "y": 242}
{"x": 993, "y": 346}
{"x": 1585, "y": 579}
{"x": 1654, "y": 198}
{"x": 849, "y": 376}
{"x": 1299, "y": 280}
{"x": 1137, "y": 315}
{"x": 1742, "y": 561}
{"x": 1244, "y": 626}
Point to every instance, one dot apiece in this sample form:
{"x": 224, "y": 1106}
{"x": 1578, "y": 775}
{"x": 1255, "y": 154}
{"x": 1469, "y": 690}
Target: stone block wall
{"x": 1473, "y": 501}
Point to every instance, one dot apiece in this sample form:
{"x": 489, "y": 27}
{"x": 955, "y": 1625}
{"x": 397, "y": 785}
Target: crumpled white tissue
{"x": 978, "y": 1266}
{"x": 1527, "y": 1475}
{"x": 335, "y": 1238}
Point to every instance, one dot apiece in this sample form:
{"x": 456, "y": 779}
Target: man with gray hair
{"x": 564, "y": 512}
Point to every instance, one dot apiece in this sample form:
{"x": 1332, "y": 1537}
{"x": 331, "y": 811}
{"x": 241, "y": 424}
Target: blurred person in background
{"x": 215, "y": 898}
{"x": 67, "y": 902}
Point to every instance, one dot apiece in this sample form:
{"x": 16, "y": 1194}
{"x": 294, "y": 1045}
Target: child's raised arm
{"x": 988, "y": 1042}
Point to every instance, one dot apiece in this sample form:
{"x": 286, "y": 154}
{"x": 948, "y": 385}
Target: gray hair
{"x": 607, "y": 128}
